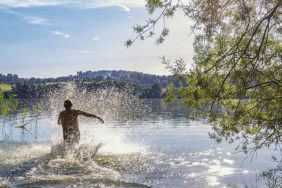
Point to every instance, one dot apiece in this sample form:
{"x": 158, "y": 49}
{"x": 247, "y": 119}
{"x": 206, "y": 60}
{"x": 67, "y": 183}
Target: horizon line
{"x": 83, "y": 72}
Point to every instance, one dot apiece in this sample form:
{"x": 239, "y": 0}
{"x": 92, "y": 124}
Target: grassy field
{"x": 5, "y": 87}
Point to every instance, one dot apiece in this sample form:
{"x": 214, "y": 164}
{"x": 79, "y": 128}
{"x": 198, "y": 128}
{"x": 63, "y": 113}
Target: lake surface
{"x": 158, "y": 146}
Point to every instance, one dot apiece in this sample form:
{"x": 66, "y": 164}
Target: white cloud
{"x": 61, "y": 34}
{"x": 36, "y": 20}
{"x": 29, "y": 19}
{"x": 124, "y": 8}
{"x": 30, "y": 3}
{"x": 124, "y": 4}
{"x": 95, "y": 38}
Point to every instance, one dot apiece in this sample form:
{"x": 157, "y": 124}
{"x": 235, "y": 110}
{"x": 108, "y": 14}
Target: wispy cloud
{"x": 30, "y": 3}
{"x": 124, "y": 4}
{"x": 124, "y": 8}
{"x": 95, "y": 38}
{"x": 60, "y": 34}
{"x": 36, "y": 20}
{"x": 29, "y": 19}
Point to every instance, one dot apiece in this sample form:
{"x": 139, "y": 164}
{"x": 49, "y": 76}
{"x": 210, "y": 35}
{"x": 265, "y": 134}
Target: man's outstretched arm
{"x": 90, "y": 115}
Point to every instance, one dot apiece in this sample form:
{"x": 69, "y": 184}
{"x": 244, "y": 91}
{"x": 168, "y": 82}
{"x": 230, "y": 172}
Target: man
{"x": 69, "y": 122}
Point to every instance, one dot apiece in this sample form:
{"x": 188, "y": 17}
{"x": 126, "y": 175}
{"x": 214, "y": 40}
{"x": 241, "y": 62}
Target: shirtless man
{"x": 68, "y": 120}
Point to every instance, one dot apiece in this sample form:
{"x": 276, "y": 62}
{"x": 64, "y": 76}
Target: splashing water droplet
{"x": 111, "y": 103}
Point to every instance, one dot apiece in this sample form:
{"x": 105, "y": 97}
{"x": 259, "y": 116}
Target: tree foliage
{"x": 237, "y": 76}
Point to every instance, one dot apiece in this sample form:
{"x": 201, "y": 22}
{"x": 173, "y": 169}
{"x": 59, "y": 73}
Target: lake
{"x": 144, "y": 144}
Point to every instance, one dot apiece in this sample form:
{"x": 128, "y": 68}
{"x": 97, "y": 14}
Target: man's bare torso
{"x": 69, "y": 121}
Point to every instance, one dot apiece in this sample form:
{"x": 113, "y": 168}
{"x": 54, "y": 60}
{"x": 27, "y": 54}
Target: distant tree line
{"x": 138, "y": 83}
{"x": 129, "y": 76}
{"x": 29, "y": 90}
{"x": 89, "y": 76}
{"x": 9, "y": 78}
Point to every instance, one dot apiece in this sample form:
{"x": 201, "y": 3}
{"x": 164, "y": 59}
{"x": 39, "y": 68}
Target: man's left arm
{"x": 89, "y": 115}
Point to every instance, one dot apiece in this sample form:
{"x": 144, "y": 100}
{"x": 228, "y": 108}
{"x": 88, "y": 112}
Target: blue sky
{"x": 49, "y": 38}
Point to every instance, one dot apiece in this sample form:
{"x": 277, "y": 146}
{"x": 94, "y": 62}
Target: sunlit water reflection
{"x": 162, "y": 148}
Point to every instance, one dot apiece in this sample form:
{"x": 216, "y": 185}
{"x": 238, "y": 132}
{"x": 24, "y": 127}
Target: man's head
{"x": 67, "y": 104}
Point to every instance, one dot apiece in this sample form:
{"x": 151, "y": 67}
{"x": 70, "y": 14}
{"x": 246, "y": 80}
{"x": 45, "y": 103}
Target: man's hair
{"x": 67, "y": 104}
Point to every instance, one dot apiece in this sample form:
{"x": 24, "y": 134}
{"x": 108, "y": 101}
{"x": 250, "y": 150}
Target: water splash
{"x": 114, "y": 105}
{"x": 111, "y": 103}
{"x": 114, "y": 140}
{"x": 38, "y": 163}
{"x": 34, "y": 165}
